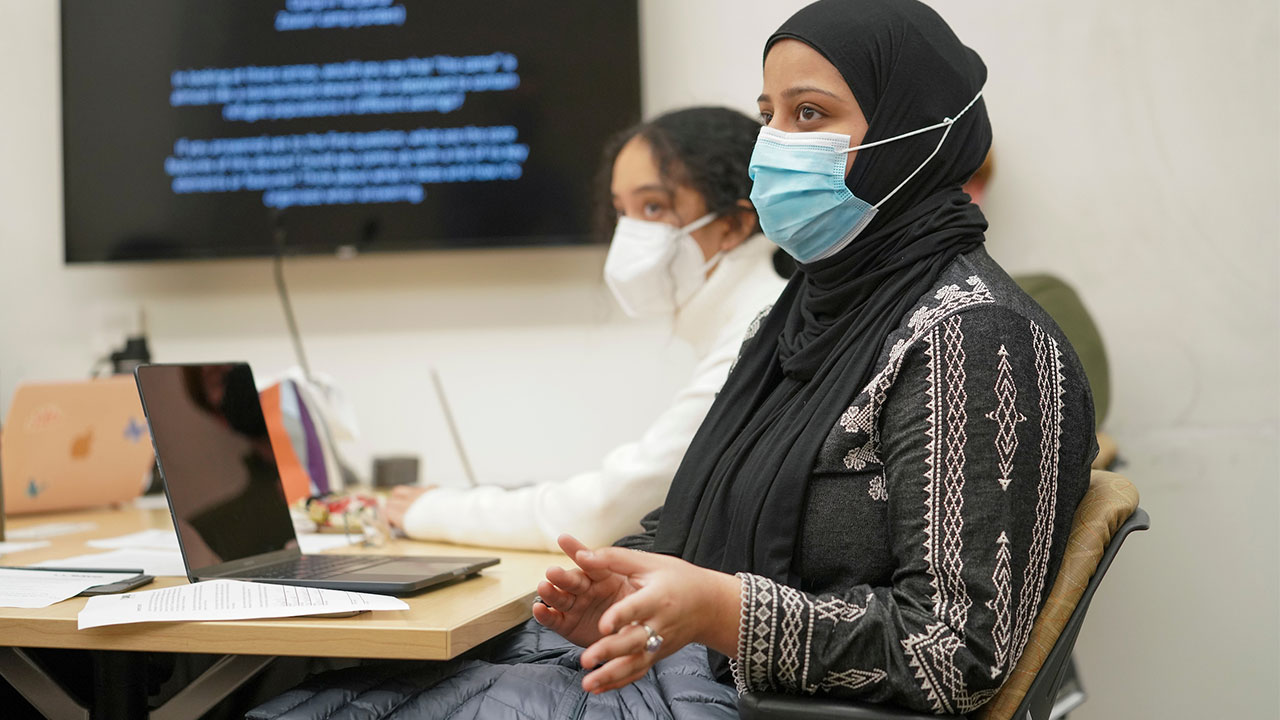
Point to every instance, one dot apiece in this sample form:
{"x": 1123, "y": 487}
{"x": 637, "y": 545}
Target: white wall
{"x": 1138, "y": 158}
{"x": 528, "y": 343}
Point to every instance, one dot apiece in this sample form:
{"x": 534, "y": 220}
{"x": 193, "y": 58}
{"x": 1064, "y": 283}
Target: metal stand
{"x": 1071, "y": 694}
{"x": 33, "y": 683}
{"x": 120, "y": 686}
{"x": 212, "y": 686}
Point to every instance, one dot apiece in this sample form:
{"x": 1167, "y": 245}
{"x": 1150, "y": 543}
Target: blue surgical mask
{"x": 800, "y": 195}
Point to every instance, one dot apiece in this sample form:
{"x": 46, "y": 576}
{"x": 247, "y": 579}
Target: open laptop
{"x": 72, "y": 445}
{"x": 227, "y": 501}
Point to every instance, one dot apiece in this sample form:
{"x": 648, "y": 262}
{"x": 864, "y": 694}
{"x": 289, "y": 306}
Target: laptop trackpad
{"x": 400, "y": 569}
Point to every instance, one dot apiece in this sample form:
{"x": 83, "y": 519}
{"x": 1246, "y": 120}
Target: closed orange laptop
{"x": 73, "y": 445}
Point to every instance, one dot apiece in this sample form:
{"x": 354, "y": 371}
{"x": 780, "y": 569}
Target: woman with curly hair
{"x": 686, "y": 246}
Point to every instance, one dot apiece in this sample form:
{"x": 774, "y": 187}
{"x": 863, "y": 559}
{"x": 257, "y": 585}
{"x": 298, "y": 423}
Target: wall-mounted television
{"x": 208, "y": 128}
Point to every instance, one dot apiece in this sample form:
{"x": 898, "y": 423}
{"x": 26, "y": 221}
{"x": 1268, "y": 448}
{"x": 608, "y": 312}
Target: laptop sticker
{"x": 135, "y": 431}
{"x": 43, "y": 417}
{"x": 81, "y": 445}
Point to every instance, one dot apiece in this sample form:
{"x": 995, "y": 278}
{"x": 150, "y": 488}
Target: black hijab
{"x": 738, "y": 499}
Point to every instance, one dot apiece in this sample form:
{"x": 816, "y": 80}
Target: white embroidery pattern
{"x": 755, "y": 643}
{"x": 1006, "y": 417}
{"x": 953, "y": 299}
{"x": 744, "y": 629}
{"x": 877, "y": 489}
{"x": 779, "y": 613}
{"x": 861, "y": 419}
{"x": 864, "y": 419}
{"x": 858, "y": 419}
{"x": 860, "y": 457}
{"x": 1001, "y": 579}
{"x": 852, "y": 679}
{"x": 973, "y": 701}
{"x": 944, "y": 476}
{"x": 784, "y": 617}
{"x": 754, "y": 327}
{"x": 1049, "y": 382}
{"x": 838, "y": 611}
{"x": 790, "y": 658}
{"x": 932, "y": 654}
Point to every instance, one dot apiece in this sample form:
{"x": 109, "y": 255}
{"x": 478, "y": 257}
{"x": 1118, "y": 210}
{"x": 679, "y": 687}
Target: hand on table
{"x": 625, "y": 590}
{"x": 398, "y": 502}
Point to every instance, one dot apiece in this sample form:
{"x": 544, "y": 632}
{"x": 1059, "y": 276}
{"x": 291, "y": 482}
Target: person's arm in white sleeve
{"x": 597, "y": 507}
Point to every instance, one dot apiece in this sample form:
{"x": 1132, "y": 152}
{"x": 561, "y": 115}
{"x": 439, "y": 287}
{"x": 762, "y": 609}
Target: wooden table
{"x": 439, "y": 624}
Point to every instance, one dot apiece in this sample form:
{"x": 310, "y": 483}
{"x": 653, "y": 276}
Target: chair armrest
{"x": 771, "y": 706}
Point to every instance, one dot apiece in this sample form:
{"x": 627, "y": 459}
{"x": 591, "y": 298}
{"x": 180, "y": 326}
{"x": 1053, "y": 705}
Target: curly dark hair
{"x": 703, "y": 148}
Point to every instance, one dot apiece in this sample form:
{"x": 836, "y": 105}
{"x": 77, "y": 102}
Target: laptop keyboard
{"x": 317, "y": 566}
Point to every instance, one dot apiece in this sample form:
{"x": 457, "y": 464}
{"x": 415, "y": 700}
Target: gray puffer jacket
{"x": 528, "y": 674}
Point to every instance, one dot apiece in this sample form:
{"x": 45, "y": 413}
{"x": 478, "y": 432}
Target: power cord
{"x": 279, "y": 235}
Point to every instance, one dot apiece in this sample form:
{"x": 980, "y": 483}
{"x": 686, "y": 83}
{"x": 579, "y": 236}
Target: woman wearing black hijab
{"x": 877, "y": 503}
{"x": 878, "y": 500}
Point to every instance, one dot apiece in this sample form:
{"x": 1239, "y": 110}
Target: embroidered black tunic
{"x": 938, "y": 509}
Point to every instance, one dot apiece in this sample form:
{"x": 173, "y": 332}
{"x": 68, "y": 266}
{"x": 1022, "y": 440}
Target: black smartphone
{"x": 120, "y": 586}
{"x": 133, "y": 578}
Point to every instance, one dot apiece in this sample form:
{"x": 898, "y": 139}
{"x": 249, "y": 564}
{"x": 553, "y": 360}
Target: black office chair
{"x": 1041, "y": 695}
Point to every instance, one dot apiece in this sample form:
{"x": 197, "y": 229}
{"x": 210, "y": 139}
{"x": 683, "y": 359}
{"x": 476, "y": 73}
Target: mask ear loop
{"x": 950, "y": 124}
{"x": 947, "y": 123}
{"x": 698, "y": 224}
{"x": 718, "y": 255}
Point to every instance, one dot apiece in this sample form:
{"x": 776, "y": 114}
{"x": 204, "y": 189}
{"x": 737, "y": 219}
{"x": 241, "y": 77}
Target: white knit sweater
{"x": 601, "y": 505}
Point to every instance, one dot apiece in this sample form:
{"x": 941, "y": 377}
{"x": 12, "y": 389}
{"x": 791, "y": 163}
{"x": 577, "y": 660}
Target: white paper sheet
{"x": 41, "y": 588}
{"x": 226, "y": 600}
{"x": 48, "y": 530}
{"x": 151, "y": 562}
{"x": 152, "y": 502}
{"x": 143, "y": 540}
{"x": 13, "y": 547}
{"x": 168, "y": 540}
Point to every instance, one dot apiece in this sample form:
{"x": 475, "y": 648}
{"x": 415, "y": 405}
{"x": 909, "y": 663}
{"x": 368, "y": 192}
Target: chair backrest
{"x": 1106, "y": 515}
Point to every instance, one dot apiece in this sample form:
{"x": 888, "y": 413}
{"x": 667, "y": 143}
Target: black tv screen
{"x": 209, "y": 128}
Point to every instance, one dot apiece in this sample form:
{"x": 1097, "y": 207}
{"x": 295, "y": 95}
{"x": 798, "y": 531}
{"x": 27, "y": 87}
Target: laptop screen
{"x": 216, "y": 459}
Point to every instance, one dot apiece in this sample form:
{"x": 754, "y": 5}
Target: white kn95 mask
{"x": 654, "y": 268}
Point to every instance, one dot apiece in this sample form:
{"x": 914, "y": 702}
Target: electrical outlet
{"x": 112, "y": 324}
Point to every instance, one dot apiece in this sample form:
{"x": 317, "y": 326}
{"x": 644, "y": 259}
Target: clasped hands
{"x": 611, "y": 601}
